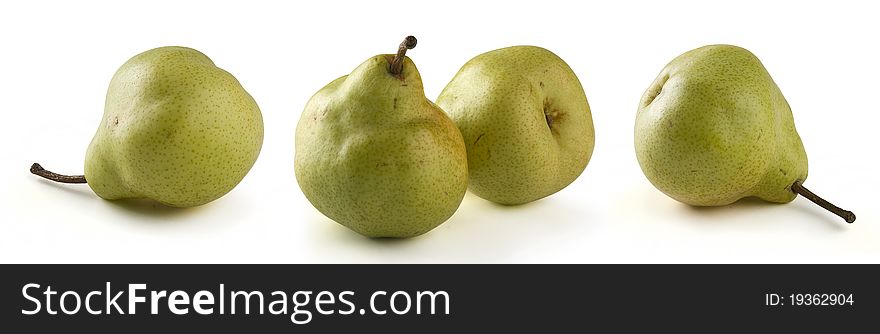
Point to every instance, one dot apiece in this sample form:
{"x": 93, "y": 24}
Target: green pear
{"x": 713, "y": 128}
{"x": 375, "y": 155}
{"x": 525, "y": 121}
{"x": 176, "y": 129}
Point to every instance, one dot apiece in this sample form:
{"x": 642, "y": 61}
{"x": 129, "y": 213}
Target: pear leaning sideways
{"x": 176, "y": 129}
{"x": 714, "y": 128}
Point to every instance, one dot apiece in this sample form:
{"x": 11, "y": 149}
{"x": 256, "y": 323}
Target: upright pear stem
{"x": 799, "y": 189}
{"x": 397, "y": 63}
{"x": 36, "y": 169}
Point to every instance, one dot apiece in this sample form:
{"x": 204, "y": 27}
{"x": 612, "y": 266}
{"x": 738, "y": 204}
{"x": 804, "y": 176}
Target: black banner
{"x": 437, "y": 298}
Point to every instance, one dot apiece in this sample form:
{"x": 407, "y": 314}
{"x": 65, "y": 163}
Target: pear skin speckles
{"x": 525, "y": 120}
{"x": 176, "y": 129}
{"x": 374, "y": 155}
{"x": 714, "y": 128}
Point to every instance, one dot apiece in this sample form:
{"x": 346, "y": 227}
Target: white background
{"x": 57, "y": 59}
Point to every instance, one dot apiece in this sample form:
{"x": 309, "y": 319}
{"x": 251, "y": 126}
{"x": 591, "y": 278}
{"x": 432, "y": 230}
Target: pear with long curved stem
{"x": 176, "y": 129}
{"x": 714, "y": 128}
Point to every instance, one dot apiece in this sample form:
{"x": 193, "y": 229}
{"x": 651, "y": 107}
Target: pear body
{"x": 713, "y": 128}
{"x": 373, "y": 154}
{"x": 176, "y": 129}
{"x": 525, "y": 120}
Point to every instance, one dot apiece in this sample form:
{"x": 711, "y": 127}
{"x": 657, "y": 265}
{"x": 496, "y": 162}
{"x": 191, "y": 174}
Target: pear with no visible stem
{"x": 525, "y": 121}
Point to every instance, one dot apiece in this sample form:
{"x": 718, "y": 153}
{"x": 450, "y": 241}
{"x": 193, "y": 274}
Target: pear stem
{"x": 397, "y": 63}
{"x": 36, "y": 169}
{"x": 799, "y": 189}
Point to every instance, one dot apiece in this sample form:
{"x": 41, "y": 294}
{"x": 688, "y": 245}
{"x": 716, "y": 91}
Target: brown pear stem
{"x": 799, "y": 189}
{"x": 36, "y": 169}
{"x": 397, "y": 63}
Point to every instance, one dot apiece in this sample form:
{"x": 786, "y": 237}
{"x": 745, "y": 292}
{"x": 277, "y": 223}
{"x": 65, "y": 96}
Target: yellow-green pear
{"x": 375, "y": 155}
{"x": 713, "y": 128}
{"x": 176, "y": 129}
{"x": 525, "y": 121}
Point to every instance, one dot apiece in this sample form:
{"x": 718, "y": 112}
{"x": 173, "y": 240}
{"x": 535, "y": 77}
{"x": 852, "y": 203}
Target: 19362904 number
{"x": 820, "y": 299}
